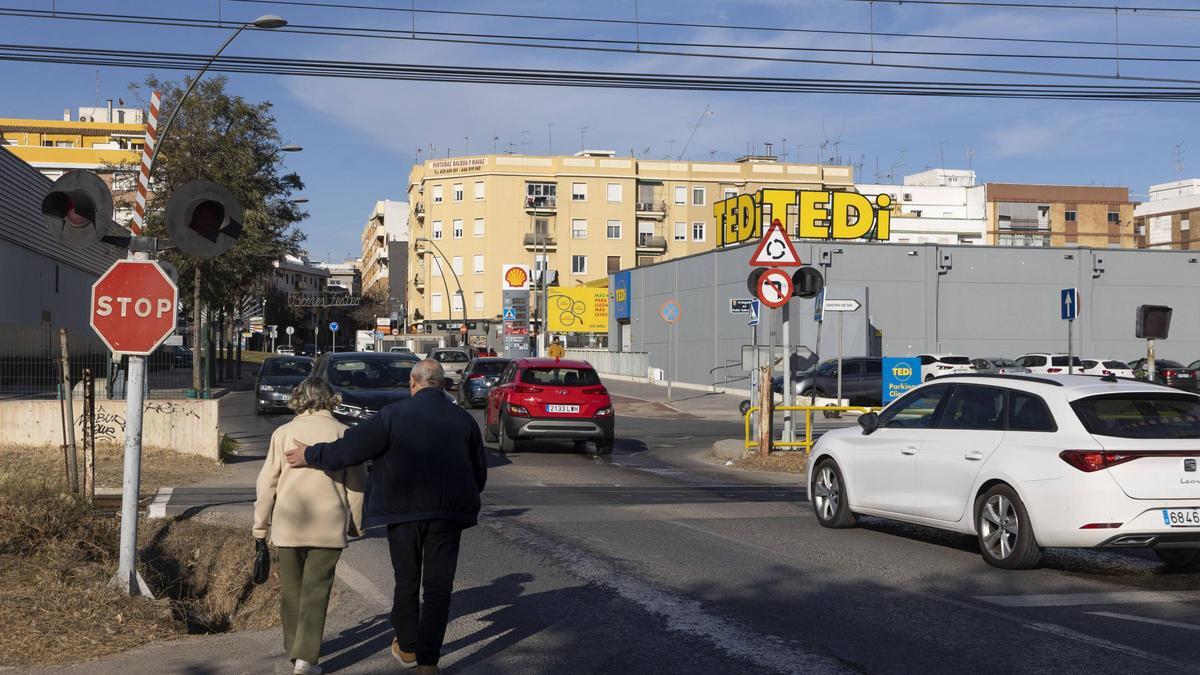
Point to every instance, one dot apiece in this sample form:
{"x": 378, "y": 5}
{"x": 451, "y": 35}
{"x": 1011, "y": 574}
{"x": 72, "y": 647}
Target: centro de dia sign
{"x": 823, "y": 214}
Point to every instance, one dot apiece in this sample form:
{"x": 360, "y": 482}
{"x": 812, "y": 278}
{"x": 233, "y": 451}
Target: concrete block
{"x": 731, "y": 448}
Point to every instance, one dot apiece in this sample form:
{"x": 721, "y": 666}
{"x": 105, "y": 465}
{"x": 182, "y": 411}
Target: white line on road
{"x": 1075, "y": 599}
{"x": 362, "y": 585}
{"x": 1061, "y": 631}
{"x": 1144, "y": 619}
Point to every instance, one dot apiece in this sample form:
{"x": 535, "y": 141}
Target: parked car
{"x": 453, "y": 361}
{"x": 479, "y": 377}
{"x": 310, "y": 350}
{"x": 1049, "y": 364}
{"x": 1022, "y": 463}
{"x": 1168, "y": 372}
{"x": 367, "y": 381}
{"x": 180, "y": 355}
{"x": 285, "y": 350}
{"x": 277, "y": 378}
{"x": 994, "y": 365}
{"x": 539, "y": 398}
{"x": 862, "y": 380}
{"x": 399, "y": 350}
{"x": 937, "y": 365}
{"x": 1106, "y": 367}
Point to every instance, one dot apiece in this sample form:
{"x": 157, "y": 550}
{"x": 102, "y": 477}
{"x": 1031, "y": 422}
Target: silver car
{"x": 998, "y": 366}
{"x": 453, "y": 362}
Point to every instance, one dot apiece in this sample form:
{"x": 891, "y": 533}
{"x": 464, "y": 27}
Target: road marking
{"x": 1055, "y": 629}
{"x": 1075, "y": 599}
{"x": 158, "y": 507}
{"x": 361, "y": 584}
{"x": 1143, "y": 619}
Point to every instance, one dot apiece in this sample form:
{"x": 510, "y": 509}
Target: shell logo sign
{"x": 515, "y": 277}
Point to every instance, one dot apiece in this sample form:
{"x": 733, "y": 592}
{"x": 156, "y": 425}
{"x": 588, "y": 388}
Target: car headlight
{"x": 348, "y": 410}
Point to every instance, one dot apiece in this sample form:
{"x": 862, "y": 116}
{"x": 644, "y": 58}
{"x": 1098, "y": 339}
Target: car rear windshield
{"x": 1062, "y": 361}
{"x": 489, "y": 367}
{"x": 1004, "y": 363}
{"x": 1116, "y": 365}
{"x": 300, "y": 367}
{"x": 956, "y": 360}
{"x": 450, "y": 357}
{"x": 1164, "y": 363}
{"x": 567, "y": 377}
{"x": 1150, "y": 415}
{"x": 386, "y": 373}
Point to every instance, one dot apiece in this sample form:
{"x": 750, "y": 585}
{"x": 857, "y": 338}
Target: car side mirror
{"x": 869, "y": 422}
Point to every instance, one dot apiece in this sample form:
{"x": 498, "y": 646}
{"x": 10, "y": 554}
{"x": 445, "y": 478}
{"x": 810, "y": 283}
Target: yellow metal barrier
{"x": 808, "y": 411}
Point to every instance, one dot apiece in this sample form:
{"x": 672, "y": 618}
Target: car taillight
{"x": 514, "y": 409}
{"x": 525, "y": 389}
{"x": 1095, "y": 460}
{"x": 476, "y": 376}
{"x": 599, "y": 391}
{"x": 606, "y": 411}
{"x": 1054, "y": 370}
{"x": 1107, "y": 372}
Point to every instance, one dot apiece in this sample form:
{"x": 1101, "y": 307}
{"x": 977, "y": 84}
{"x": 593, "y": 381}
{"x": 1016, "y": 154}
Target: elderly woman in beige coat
{"x": 308, "y": 513}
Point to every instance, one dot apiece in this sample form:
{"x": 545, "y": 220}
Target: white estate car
{"x": 1024, "y": 462}
{"x": 1106, "y": 367}
{"x": 937, "y": 365}
{"x": 1048, "y": 364}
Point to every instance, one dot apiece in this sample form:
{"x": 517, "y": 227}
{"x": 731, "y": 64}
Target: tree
{"x": 228, "y": 140}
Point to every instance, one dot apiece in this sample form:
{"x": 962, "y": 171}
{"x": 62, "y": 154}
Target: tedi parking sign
{"x": 900, "y": 375}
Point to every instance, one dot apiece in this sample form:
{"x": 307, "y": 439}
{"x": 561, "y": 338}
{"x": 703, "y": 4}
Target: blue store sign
{"x": 622, "y": 296}
{"x": 900, "y": 375}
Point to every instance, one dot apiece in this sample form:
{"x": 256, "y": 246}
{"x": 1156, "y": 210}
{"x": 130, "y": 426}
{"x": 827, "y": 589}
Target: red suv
{"x": 552, "y": 399}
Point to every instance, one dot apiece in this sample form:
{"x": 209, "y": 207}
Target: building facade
{"x": 387, "y": 223}
{"x": 297, "y": 273}
{"x": 579, "y": 218}
{"x": 1166, "y": 220}
{"x": 1059, "y": 215}
{"x": 939, "y": 206}
{"x": 344, "y": 277}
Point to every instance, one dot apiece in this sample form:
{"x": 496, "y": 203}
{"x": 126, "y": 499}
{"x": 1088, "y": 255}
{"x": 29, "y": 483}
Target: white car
{"x": 1024, "y": 462}
{"x": 1049, "y": 364}
{"x": 1106, "y": 367}
{"x": 937, "y": 365}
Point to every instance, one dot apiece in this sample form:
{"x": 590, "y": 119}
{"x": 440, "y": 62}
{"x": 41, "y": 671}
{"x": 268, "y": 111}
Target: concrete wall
{"x": 186, "y": 426}
{"x": 972, "y": 300}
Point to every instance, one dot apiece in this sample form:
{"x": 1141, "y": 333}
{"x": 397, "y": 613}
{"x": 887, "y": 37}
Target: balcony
{"x": 648, "y": 243}
{"x": 419, "y": 281}
{"x": 541, "y": 203}
{"x": 419, "y": 210}
{"x": 655, "y": 210}
{"x": 534, "y": 241}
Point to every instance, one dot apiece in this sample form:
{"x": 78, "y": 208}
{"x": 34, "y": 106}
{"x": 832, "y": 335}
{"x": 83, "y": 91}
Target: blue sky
{"x": 360, "y": 136}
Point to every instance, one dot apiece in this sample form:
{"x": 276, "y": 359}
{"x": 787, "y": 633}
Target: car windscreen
{"x": 489, "y": 367}
{"x": 1004, "y": 363}
{"x": 1116, "y": 365}
{"x": 1149, "y": 415}
{"x": 567, "y": 377}
{"x": 1062, "y": 361}
{"x": 283, "y": 367}
{"x": 450, "y": 357}
{"x": 956, "y": 360}
{"x": 384, "y": 373}
{"x": 1164, "y": 363}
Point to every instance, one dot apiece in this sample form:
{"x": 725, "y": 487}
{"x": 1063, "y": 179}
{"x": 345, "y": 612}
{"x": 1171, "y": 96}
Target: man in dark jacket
{"x": 429, "y": 468}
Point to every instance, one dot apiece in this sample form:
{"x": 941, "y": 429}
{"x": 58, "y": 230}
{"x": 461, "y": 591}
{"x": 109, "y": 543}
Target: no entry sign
{"x": 133, "y": 307}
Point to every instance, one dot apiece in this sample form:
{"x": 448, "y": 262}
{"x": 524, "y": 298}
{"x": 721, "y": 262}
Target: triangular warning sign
{"x": 775, "y": 249}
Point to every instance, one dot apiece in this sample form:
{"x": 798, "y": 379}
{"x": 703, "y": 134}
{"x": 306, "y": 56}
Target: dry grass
{"x": 159, "y": 467}
{"x": 788, "y": 461}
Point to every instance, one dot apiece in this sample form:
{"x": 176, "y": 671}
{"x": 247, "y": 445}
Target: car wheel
{"x": 928, "y": 378}
{"x": 258, "y": 410}
{"x": 1179, "y": 558}
{"x": 489, "y": 434}
{"x": 829, "y": 499}
{"x": 604, "y": 446}
{"x": 1005, "y": 532}
{"x": 507, "y": 443}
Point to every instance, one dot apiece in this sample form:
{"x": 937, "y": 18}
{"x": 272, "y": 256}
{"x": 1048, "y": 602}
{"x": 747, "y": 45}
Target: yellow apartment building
{"x": 581, "y": 217}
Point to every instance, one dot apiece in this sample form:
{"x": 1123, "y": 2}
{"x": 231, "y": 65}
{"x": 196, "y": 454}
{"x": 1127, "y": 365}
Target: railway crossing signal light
{"x": 204, "y": 219}
{"x": 78, "y": 210}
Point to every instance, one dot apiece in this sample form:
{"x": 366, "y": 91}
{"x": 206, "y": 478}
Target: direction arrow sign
{"x": 333, "y": 326}
{"x": 775, "y": 288}
{"x": 775, "y": 250}
{"x": 832, "y": 305}
{"x": 1069, "y": 303}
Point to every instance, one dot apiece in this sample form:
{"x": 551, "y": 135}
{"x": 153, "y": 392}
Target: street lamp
{"x": 299, "y": 200}
{"x": 461, "y": 298}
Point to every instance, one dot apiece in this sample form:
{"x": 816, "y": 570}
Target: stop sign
{"x": 133, "y": 307}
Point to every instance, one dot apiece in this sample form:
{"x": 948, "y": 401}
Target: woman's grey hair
{"x": 313, "y": 394}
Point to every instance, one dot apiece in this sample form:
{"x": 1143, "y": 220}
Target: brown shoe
{"x": 406, "y": 659}
{"x": 427, "y": 670}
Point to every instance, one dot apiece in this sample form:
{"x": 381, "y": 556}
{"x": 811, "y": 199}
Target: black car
{"x": 367, "y": 381}
{"x": 478, "y": 378}
{"x": 1168, "y": 372}
{"x": 862, "y": 380}
{"x": 277, "y": 378}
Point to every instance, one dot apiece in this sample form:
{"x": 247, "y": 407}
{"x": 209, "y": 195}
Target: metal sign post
{"x": 1070, "y": 310}
{"x": 289, "y": 330}
{"x": 333, "y": 330}
{"x": 840, "y": 307}
{"x": 670, "y": 312}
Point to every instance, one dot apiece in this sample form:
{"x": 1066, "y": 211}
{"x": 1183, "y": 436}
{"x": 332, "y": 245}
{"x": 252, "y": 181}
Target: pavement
{"x": 658, "y": 560}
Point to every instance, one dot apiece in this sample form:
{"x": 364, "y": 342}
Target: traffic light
{"x": 1153, "y": 322}
{"x": 204, "y": 219}
{"x": 807, "y": 282}
{"x": 78, "y": 210}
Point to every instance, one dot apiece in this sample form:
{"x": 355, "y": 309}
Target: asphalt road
{"x": 655, "y": 560}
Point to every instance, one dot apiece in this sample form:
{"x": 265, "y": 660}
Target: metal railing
{"x": 729, "y": 363}
{"x": 808, "y": 411}
{"x": 628, "y": 364}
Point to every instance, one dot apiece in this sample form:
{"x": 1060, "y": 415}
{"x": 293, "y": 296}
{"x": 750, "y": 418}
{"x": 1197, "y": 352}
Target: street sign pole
{"x": 127, "y": 579}
{"x": 788, "y": 435}
{"x": 670, "y": 358}
{"x": 1070, "y": 348}
{"x": 841, "y": 320}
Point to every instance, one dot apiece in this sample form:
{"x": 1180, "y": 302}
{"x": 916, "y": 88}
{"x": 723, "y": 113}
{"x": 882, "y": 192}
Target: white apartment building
{"x": 939, "y": 206}
{"x": 1166, "y": 220}
{"x": 387, "y": 223}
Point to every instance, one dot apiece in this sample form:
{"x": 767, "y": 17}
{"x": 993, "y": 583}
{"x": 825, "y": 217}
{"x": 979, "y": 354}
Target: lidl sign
{"x": 822, "y": 214}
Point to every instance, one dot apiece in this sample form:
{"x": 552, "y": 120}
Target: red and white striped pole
{"x": 143, "y": 187}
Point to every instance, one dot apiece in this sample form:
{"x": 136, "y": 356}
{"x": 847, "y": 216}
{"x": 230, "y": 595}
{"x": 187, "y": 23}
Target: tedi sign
{"x": 822, "y": 214}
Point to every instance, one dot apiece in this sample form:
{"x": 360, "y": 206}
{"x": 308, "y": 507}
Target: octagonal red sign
{"x": 133, "y": 307}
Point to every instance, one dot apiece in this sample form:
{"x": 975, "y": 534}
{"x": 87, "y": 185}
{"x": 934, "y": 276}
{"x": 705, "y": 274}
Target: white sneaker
{"x": 305, "y": 668}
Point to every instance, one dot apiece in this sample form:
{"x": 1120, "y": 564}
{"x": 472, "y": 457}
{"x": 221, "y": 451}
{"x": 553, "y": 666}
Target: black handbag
{"x": 262, "y": 561}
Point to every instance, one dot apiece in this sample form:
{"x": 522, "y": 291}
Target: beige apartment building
{"x": 1059, "y": 215}
{"x": 581, "y": 217}
{"x": 387, "y": 225}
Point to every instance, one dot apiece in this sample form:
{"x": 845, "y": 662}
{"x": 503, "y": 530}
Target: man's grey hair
{"x": 313, "y": 394}
{"x": 429, "y": 373}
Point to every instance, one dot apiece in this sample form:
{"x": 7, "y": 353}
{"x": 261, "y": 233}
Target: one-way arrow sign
{"x": 1070, "y": 304}
{"x": 833, "y": 305}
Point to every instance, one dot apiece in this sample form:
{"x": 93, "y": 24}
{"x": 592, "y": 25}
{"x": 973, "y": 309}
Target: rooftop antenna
{"x": 466, "y": 145}
{"x": 670, "y": 149}
{"x": 783, "y": 155}
{"x": 695, "y": 127}
{"x": 582, "y": 132}
{"x": 495, "y": 141}
{"x": 550, "y": 138}
{"x": 523, "y": 141}
{"x": 941, "y": 154}
{"x": 970, "y": 157}
{"x": 1177, "y": 153}
{"x": 770, "y": 147}
{"x": 712, "y": 154}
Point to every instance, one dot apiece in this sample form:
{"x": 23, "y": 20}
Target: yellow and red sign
{"x": 515, "y": 277}
{"x": 578, "y": 310}
{"x": 821, "y": 214}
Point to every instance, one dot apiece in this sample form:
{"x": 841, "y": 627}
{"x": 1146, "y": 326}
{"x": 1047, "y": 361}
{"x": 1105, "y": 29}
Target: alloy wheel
{"x": 1000, "y": 526}
{"x": 827, "y": 493}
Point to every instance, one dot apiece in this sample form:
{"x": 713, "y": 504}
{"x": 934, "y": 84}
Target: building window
{"x": 698, "y": 231}
{"x": 541, "y": 195}
{"x": 456, "y": 302}
{"x": 680, "y": 195}
{"x": 479, "y": 190}
{"x": 435, "y": 303}
{"x": 1185, "y": 223}
{"x": 579, "y": 229}
{"x": 614, "y": 229}
{"x": 614, "y": 193}
{"x": 680, "y": 231}
{"x": 1070, "y": 216}
{"x": 579, "y": 192}
{"x": 1114, "y": 217}
{"x": 478, "y": 263}
{"x": 541, "y": 229}
{"x": 479, "y": 227}
{"x": 458, "y": 192}
{"x": 456, "y": 265}
{"x": 478, "y": 296}
{"x": 697, "y": 196}
{"x": 435, "y": 268}
{"x": 614, "y": 264}
{"x": 579, "y": 264}
{"x": 730, "y": 192}
{"x": 457, "y": 224}
{"x": 437, "y": 194}
{"x": 437, "y": 229}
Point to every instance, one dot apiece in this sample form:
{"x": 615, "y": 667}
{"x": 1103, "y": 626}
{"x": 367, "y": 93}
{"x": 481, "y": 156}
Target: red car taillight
{"x": 476, "y": 376}
{"x": 525, "y": 389}
{"x": 1107, "y": 372}
{"x": 1169, "y": 373}
{"x": 1095, "y": 460}
{"x": 1054, "y": 370}
{"x": 598, "y": 391}
{"x": 519, "y": 410}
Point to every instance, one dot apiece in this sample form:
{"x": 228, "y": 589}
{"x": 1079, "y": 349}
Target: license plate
{"x": 552, "y": 408}
{"x": 1181, "y": 517}
{"x": 1184, "y": 376}
{"x": 285, "y": 397}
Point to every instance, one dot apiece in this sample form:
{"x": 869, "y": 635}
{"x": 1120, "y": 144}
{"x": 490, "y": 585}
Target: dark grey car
{"x": 277, "y": 378}
{"x": 478, "y": 378}
{"x": 862, "y": 380}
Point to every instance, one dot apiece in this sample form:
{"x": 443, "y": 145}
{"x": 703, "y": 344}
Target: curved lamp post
{"x": 457, "y": 282}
